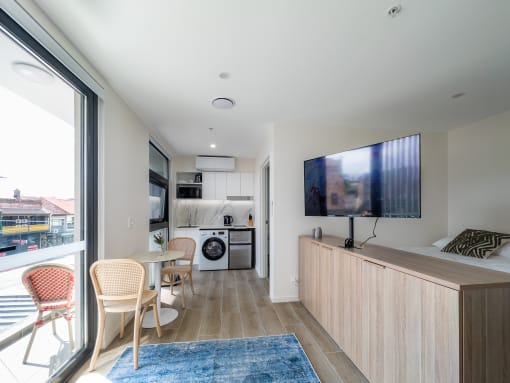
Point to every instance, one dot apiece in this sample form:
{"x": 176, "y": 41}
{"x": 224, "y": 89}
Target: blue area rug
{"x": 277, "y": 358}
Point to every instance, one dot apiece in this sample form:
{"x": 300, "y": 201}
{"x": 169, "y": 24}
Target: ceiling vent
{"x": 215, "y": 164}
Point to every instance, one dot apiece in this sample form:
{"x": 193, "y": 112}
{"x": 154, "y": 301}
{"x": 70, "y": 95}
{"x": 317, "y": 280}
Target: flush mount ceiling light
{"x": 223, "y": 103}
{"x": 33, "y": 72}
{"x": 212, "y": 146}
{"x": 394, "y": 10}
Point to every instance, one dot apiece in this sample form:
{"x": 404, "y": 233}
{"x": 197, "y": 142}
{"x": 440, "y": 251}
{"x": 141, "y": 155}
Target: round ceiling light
{"x": 223, "y": 103}
{"x": 33, "y": 72}
{"x": 212, "y": 146}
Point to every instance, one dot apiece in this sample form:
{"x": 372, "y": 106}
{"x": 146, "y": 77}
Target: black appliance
{"x": 241, "y": 248}
{"x": 228, "y": 220}
{"x": 189, "y": 191}
{"x": 380, "y": 180}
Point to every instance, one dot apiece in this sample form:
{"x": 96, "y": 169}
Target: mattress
{"x": 497, "y": 262}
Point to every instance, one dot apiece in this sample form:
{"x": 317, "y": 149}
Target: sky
{"x": 37, "y": 150}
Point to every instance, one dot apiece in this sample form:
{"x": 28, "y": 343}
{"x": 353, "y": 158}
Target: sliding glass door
{"x": 48, "y": 209}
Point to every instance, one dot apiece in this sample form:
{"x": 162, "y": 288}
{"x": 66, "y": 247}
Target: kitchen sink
{"x": 187, "y": 227}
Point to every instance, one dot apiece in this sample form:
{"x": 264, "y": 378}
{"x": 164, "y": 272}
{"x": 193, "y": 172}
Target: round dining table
{"x": 154, "y": 259}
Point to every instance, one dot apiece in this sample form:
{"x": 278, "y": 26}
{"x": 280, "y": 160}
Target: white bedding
{"x": 496, "y": 262}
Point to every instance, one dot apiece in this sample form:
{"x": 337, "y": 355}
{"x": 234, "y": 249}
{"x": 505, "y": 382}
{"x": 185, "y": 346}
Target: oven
{"x": 241, "y": 249}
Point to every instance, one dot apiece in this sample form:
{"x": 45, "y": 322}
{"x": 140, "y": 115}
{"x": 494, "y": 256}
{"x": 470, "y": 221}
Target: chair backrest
{"x": 49, "y": 282}
{"x": 185, "y": 244}
{"x": 118, "y": 279}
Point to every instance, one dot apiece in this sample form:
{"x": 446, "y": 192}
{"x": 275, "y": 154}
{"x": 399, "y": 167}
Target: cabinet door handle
{"x": 375, "y": 264}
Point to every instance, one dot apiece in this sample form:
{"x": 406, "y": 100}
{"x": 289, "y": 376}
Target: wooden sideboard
{"x": 404, "y": 317}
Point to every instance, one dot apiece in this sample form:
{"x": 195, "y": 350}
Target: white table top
{"x": 156, "y": 256}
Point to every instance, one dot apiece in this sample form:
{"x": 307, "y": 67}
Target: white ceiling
{"x": 336, "y": 62}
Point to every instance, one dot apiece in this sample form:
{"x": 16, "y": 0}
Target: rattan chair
{"x": 51, "y": 287}
{"x": 119, "y": 286}
{"x": 169, "y": 273}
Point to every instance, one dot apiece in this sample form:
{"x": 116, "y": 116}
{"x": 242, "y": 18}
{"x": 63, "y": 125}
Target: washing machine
{"x": 213, "y": 250}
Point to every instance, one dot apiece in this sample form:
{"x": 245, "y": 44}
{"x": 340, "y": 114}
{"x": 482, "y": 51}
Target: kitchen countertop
{"x": 218, "y": 227}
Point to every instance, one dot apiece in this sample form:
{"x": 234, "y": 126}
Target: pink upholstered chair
{"x": 51, "y": 287}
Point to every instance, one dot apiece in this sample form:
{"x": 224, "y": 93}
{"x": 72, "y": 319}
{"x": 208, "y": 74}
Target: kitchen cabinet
{"x": 214, "y": 186}
{"x": 403, "y": 317}
{"x": 247, "y": 184}
{"x": 240, "y": 184}
{"x": 233, "y": 184}
{"x": 220, "y": 185}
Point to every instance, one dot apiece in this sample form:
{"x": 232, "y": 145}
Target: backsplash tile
{"x": 209, "y": 213}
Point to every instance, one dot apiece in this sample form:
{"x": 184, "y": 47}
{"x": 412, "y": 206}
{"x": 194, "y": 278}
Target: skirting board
{"x": 292, "y": 298}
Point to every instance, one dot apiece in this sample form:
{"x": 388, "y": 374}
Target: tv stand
{"x": 403, "y": 317}
{"x": 349, "y": 242}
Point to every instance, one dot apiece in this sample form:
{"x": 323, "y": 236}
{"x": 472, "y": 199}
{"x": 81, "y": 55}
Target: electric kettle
{"x": 228, "y": 220}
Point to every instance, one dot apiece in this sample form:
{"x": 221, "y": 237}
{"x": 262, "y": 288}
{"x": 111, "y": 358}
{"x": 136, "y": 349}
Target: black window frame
{"x": 89, "y": 170}
{"x": 162, "y": 182}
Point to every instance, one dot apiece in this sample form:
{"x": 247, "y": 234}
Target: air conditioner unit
{"x": 215, "y": 164}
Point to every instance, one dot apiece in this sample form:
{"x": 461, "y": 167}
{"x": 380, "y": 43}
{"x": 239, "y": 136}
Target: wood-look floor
{"x": 235, "y": 304}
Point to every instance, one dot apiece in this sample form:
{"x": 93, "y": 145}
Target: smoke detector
{"x": 394, "y": 10}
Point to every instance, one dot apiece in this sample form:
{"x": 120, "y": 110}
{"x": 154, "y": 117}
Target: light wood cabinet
{"x": 402, "y": 317}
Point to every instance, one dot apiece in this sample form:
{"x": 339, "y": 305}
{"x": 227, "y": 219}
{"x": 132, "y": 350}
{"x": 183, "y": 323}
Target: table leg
{"x": 166, "y": 315}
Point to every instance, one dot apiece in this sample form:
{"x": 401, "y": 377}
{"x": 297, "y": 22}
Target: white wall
{"x": 265, "y": 154}
{"x": 479, "y": 176}
{"x": 294, "y": 144}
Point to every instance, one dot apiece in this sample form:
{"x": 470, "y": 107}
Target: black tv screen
{"x": 380, "y": 180}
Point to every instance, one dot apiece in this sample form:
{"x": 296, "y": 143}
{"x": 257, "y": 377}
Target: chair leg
{"x": 136, "y": 338}
{"x": 156, "y": 317}
{"x": 31, "y": 341}
{"x": 182, "y": 290}
{"x": 70, "y": 331}
{"x": 122, "y": 319}
{"x": 99, "y": 341}
{"x": 190, "y": 274}
{"x": 54, "y": 328}
{"x": 172, "y": 282}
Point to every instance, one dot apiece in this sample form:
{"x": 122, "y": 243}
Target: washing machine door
{"x": 214, "y": 248}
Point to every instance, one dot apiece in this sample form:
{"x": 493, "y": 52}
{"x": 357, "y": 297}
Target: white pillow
{"x": 443, "y": 241}
{"x": 503, "y": 251}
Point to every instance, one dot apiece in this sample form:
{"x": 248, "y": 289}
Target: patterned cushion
{"x": 476, "y": 243}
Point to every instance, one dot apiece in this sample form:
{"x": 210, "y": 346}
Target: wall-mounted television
{"x": 379, "y": 180}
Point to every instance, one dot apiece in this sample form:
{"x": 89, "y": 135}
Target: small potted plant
{"x": 158, "y": 239}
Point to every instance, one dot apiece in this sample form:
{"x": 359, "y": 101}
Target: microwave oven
{"x": 189, "y": 191}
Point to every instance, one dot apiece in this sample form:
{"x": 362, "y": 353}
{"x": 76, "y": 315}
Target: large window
{"x": 158, "y": 194}
{"x": 48, "y": 204}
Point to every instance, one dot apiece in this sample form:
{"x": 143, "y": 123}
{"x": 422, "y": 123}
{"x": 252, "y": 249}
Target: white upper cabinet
{"x": 247, "y": 184}
{"x": 208, "y": 185}
{"x": 233, "y": 184}
{"x": 220, "y": 185}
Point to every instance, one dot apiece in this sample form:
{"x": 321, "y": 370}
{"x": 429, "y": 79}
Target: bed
{"x": 500, "y": 262}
